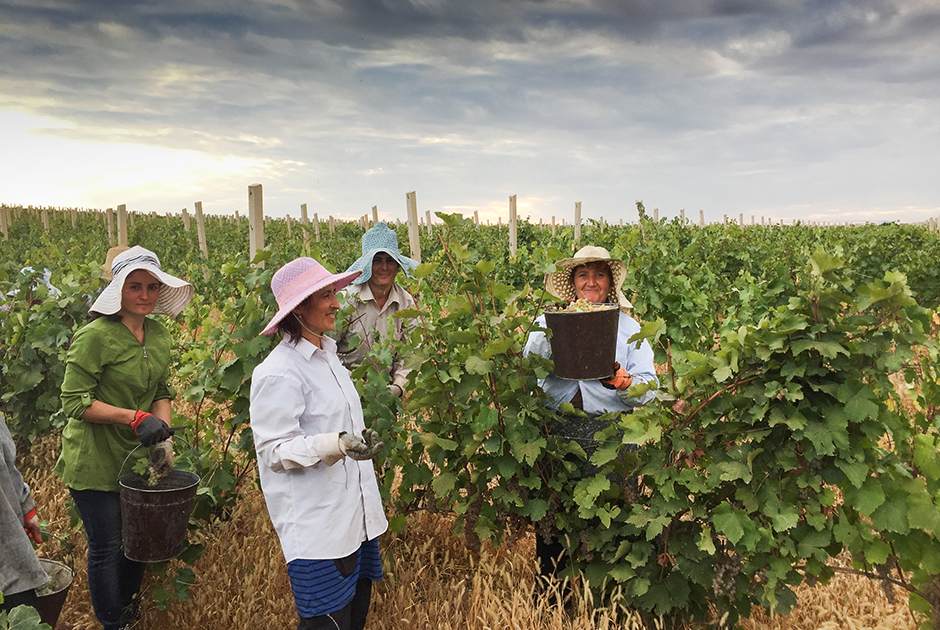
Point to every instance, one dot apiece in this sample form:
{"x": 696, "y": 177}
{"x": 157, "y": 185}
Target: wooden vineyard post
{"x": 577, "y": 223}
{"x": 332, "y": 225}
{"x": 122, "y": 225}
{"x": 201, "y": 231}
{"x": 414, "y": 240}
{"x": 316, "y": 226}
{"x": 701, "y": 218}
{"x": 427, "y": 214}
{"x": 600, "y": 224}
{"x": 375, "y": 215}
{"x": 5, "y": 222}
{"x": 287, "y": 218}
{"x": 682, "y": 215}
{"x": 513, "y": 227}
{"x": 238, "y": 219}
{"x": 553, "y": 225}
{"x": 476, "y": 218}
{"x": 109, "y": 221}
{"x": 305, "y": 220}
{"x": 656, "y": 215}
{"x": 185, "y": 219}
{"x": 741, "y": 220}
{"x": 255, "y": 221}
{"x": 44, "y": 215}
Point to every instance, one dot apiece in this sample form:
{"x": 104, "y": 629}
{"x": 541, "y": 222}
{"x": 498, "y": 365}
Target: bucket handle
{"x": 66, "y": 544}
{"x": 133, "y": 450}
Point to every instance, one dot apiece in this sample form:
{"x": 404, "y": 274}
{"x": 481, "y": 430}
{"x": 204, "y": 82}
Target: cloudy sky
{"x": 819, "y": 110}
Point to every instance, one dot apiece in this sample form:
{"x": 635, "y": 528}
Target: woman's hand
{"x": 360, "y": 449}
{"x": 31, "y": 525}
{"x": 150, "y": 429}
{"x": 620, "y": 380}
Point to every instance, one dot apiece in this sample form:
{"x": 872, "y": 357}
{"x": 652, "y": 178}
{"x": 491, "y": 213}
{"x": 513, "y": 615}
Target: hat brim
{"x": 559, "y": 282}
{"x": 175, "y": 293}
{"x": 336, "y": 280}
{"x": 364, "y": 263}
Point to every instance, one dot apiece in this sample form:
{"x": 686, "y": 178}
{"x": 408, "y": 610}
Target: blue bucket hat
{"x": 380, "y": 238}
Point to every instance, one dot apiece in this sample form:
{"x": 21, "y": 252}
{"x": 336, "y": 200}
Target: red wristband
{"x": 138, "y": 418}
{"x": 29, "y": 515}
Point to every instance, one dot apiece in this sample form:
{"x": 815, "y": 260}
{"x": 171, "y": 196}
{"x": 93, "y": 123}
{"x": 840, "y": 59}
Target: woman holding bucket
{"x": 593, "y": 276}
{"x": 116, "y": 396}
{"x": 316, "y": 472}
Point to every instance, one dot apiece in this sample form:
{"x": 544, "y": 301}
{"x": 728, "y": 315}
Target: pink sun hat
{"x": 297, "y": 280}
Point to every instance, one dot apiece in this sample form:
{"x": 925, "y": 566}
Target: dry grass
{"x": 432, "y": 581}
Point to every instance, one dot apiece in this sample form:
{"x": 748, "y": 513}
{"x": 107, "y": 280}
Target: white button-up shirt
{"x": 322, "y": 505}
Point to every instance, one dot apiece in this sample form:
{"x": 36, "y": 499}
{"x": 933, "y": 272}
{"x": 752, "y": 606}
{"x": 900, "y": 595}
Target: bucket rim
{"x": 603, "y": 307}
{"x": 47, "y": 561}
{"x": 124, "y": 482}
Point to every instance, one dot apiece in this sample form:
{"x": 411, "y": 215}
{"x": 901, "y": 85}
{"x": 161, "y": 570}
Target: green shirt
{"x": 106, "y": 362}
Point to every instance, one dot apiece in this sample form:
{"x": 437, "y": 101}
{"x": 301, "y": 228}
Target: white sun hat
{"x": 175, "y": 294}
{"x": 560, "y": 285}
{"x": 298, "y": 279}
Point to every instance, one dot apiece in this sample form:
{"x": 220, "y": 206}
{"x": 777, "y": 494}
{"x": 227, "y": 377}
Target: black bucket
{"x": 154, "y": 519}
{"x": 51, "y": 597}
{"x": 584, "y": 344}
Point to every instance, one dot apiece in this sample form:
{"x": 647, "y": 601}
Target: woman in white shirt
{"x": 316, "y": 472}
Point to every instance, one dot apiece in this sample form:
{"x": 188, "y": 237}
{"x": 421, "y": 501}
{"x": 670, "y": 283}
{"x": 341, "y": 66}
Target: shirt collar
{"x": 364, "y": 293}
{"x": 307, "y": 349}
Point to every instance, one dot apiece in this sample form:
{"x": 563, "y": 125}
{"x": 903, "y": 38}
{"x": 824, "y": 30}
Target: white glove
{"x": 360, "y": 449}
{"x": 396, "y": 390}
{"x": 162, "y": 458}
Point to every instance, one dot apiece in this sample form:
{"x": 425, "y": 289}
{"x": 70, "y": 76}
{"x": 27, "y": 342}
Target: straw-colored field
{"x": 432, "y": 582}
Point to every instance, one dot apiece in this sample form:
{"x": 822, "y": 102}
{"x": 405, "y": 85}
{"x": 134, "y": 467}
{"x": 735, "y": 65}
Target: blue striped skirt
{"x": 321, "y": 588}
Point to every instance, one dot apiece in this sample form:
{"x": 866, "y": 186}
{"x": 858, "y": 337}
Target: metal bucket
{"x": 154, "y": 519}
{"x": 51, "y": 597}
{"x": 584, "y": 344}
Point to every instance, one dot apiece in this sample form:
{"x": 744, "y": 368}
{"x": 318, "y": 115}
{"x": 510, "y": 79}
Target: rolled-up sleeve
{"x": 83, "y": 368}
{"x": 277, "y": 403}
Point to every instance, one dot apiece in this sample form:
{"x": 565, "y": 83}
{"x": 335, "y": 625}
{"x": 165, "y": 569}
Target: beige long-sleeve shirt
{"x": 369, "y": 320}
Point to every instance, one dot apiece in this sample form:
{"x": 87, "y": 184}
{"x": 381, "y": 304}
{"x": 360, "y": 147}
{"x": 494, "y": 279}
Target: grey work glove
{"x": 396, "y": 390}
{"x": 363, "y": 448}
{"x": 161, "y": 458}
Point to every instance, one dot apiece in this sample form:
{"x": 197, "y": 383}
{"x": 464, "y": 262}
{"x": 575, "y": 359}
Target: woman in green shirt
{"x": 116, "y": 396}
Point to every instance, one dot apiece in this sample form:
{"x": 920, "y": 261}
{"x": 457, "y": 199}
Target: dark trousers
{"x": 351, "y": 617}
{"x": 113, "y": 580}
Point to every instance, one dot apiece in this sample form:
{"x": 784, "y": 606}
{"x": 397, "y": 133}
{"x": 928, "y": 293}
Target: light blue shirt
{"x": 596, "y": 398}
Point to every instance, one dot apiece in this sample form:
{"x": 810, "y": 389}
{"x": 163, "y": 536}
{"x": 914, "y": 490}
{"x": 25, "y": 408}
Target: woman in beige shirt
{"x": 375, "y": 297}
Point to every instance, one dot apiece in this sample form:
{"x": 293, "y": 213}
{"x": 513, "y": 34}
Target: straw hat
{"x": 560, "y": 285}
{"x": 380, "y": 238}
{"x": 109, "y": 259}
{"x": 175, "y": 294}
{"x": 297, "y": 280}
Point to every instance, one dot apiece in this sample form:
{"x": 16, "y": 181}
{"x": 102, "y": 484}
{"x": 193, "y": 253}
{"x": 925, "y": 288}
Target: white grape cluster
{"x": 581, "y": 306}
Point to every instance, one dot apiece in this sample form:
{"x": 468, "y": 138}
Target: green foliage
{"x": 778, "y": 440}
{"x": 22, "y": 618}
